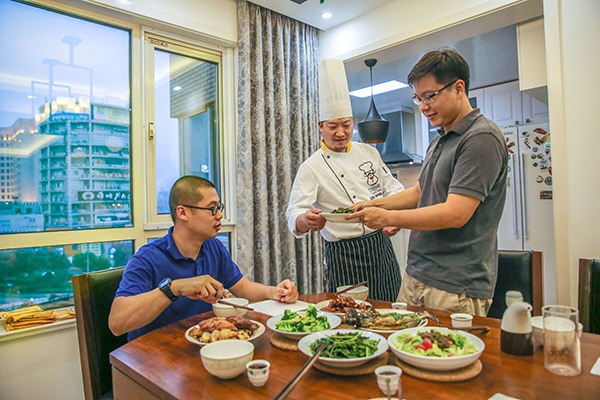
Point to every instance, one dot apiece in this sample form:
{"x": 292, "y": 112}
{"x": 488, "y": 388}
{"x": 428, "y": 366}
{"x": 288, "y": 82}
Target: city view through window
{"x": 64, "y": 147}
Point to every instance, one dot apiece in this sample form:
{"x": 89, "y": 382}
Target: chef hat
{"x": 334, "y": 100}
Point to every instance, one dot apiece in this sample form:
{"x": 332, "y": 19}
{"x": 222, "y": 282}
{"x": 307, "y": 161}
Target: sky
{"x": 30, "y": 35}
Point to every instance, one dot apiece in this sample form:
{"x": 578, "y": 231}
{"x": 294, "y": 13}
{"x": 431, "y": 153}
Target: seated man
{"x": 184, "y": 272}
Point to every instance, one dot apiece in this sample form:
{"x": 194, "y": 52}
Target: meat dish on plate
{"x": 224, "y": 328}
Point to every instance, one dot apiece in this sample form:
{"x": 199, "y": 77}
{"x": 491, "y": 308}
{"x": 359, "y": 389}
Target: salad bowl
{"x": 305, "y": 347}
{"x": 400, "y": 343}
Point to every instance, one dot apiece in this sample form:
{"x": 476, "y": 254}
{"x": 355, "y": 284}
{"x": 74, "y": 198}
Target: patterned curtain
{"x": 277, "y": 131}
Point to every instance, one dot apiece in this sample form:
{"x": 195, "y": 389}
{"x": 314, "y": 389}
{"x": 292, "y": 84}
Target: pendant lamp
{"x": 374, "y": 128}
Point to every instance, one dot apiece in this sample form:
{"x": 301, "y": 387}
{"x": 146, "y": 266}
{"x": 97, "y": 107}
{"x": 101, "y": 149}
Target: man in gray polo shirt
{"x": 454, "y": 209}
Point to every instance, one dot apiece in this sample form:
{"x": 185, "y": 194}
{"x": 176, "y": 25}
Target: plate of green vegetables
{"x": 295, "y": 325}
{"x": 344, "y": 348}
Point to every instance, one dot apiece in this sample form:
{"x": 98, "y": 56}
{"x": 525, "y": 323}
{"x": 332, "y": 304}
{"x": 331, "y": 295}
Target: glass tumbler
{"x": 562, "y": 351}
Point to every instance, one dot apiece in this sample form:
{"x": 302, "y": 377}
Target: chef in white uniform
{"x": 341, "y": 173}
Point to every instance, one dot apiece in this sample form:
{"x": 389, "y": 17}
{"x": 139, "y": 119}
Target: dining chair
{"x": 589, "y": 294}
{"x": 93, "y": 294}
{"x": 522, "y": 271}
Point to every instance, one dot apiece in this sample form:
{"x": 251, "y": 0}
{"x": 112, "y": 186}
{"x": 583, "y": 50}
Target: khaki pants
{"x": 416, "y": 293}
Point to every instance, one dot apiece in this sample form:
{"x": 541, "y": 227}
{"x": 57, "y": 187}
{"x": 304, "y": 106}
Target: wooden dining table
{"x": 163, "y": 364}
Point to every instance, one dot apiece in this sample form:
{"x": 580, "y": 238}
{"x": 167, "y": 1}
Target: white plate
{"x": 334, "y": 322}
{"x": 305, "y": 342}
{"x": 339, "y": 217}
{"x": 257, "y": 332}
{"x": 388, "y": 311}
{"x": 322, "y": 304}
{"x": 437, "y": 363}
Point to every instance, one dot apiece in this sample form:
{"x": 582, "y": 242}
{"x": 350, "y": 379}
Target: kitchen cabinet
{"x": 506, "y": 105}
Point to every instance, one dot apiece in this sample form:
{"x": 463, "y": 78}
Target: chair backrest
{"x": 93, "y": 294}
{"x": 589, "y": 294}
{"x": 522, "y": 271}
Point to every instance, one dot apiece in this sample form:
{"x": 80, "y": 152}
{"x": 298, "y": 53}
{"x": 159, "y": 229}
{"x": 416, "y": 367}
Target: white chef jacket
{"x": 328, "y": 180}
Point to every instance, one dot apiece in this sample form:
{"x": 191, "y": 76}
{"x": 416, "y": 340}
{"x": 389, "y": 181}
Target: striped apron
{"x": 365, "y": 258}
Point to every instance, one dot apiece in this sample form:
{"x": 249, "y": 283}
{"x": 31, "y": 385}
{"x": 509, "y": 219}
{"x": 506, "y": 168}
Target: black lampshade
{"x": 374, "y": 128}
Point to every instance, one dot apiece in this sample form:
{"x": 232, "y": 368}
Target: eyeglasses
{"x": 214, "y": 209}
{"x": 429, "y": 99}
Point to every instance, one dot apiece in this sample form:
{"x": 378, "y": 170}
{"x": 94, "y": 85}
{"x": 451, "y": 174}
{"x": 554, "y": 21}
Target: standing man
{"x": 184, "y": 272}
{"x": 455, "y": 207}
{"x": 340, "y": 173}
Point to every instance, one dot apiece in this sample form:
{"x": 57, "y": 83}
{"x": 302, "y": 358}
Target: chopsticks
{"x": 474, "y": 328}
{"x": 234, "y": 305}
{"x": 352, "y": 287}
{"x": 290, "y": 385}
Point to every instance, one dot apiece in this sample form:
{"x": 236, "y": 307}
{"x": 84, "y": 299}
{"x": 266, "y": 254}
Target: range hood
{"x": 393, "y": 150}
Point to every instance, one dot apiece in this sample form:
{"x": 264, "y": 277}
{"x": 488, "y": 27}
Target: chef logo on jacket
{"x": 369, "y": 172}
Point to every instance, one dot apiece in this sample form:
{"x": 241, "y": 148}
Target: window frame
{"x": 155, "y": 40}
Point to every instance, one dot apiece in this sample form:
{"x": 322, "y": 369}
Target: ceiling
{"x": 488, "y": 43}
{"x": 310, "y": 11}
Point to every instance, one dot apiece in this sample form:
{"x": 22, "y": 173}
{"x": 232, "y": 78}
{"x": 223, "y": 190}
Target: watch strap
{"x": 165, "y": 287}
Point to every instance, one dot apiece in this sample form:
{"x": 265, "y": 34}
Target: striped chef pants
{"x": 365, "y": 258}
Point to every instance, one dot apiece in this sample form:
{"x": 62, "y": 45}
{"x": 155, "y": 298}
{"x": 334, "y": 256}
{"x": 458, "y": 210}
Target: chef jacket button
{"x": 342, "y": 175}
{"x": 328, "y": 156}
{"x": 354, "y": 196}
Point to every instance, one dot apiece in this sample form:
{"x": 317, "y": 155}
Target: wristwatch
{"x": 165, "y": 287}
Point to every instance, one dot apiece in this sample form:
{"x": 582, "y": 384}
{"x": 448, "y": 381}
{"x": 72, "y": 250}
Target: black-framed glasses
{"x": 429, "y": 99}
{"x": 214, "y": 209}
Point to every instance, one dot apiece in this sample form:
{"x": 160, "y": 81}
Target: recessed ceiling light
{"x": 176, "y": 88}
{"x": 378, "y": 89}
{"x": 326, "y": 15}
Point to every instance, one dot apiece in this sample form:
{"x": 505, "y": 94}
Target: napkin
{"x": 596, "y": 368}
{"x": 273, "y": 307}
{"x": 500, "y": 396}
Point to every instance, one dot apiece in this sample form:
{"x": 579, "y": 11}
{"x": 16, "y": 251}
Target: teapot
{"x": 516, "y": 332}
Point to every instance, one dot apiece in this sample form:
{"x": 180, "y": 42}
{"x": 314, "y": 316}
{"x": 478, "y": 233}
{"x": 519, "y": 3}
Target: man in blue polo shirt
{"x": 186, "y": 271}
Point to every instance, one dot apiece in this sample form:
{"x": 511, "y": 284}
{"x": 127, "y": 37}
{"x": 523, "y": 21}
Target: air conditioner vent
{"x": 298, "y": 1}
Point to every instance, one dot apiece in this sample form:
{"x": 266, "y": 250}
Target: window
{"x": 183, "y": 117}
{"x": 42, "y": 275}
{"x": 64, "y": 122}
{"x": 73, "y": 135}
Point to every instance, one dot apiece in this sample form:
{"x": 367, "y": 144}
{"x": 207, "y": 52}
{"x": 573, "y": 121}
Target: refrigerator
{"x": 527, "y": 222}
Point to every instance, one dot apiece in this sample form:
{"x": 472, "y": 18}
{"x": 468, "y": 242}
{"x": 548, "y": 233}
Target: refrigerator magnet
{"x": 548, "y": 180}
{"x": 539, "y": 179}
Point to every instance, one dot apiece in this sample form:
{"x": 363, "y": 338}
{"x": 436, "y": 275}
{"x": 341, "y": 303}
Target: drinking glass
{"x": 562, "y": 352}
{"x": 389, "y": 380}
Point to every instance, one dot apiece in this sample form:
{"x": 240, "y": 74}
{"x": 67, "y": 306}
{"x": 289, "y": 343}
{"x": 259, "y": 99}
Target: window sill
{"x": 34, "y": 330}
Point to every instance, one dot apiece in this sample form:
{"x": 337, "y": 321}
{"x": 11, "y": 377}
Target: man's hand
{"x": 373, "y": 217}
{"x": 390, "y": 231}
{"x": 203, "y": 287}
{"x": 360, "y": 205}
{"x": 286, "y": 292}
{"x": 311, "y": 220}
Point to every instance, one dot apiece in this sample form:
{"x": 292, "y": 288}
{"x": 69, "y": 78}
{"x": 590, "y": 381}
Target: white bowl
{"x": 305, "y": 342}
{"x": 228, "y": 358}
{"x": 223, "y": 310}
{"x": 334, "y": 322}
{"x": 537, "y": 323}
{"x": 460, "y": 320}
{"x": 359, "y": 293}
{"x": 436, "y": 363}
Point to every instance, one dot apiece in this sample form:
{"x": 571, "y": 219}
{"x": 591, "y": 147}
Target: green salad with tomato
{"x": 435, "y": 344}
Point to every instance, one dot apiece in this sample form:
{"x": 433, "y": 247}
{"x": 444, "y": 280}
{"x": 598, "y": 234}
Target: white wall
{"x": 43, "y": 366}
{"x": 572, "y": 65}
{"x": 399, "y": 21}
